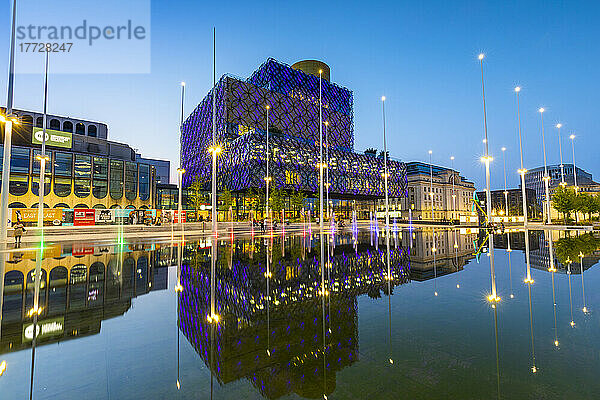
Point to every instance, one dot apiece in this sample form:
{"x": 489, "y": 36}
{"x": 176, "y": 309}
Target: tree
{"x": 196, "y": 195}
{"x": 371, "y": 152}
{"x": 298, "y": 201}
{"x": 277, "y": 200}
{"x": 227, "y": 199}
{"x": 256, "y": 200}
{"x": 564, "y": 201}
{"x": 584, "y": 204}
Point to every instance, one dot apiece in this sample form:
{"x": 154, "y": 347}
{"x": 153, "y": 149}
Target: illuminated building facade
{"x": 294, "y": 137}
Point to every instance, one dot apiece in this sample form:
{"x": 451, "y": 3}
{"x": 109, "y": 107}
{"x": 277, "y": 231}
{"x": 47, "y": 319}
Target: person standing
{"x": 19, "y": 229}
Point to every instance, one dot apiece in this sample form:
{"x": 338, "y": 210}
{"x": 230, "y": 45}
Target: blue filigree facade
{"x": 293, "y": 98}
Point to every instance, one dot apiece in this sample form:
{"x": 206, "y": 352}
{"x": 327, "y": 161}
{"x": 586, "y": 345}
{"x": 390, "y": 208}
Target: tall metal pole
{"x": 387, "y": 202}
{"x": 562, "y": 167}
{"x": 453, "y": 192}
{"x": 431, "y": 183}
{"x": 8, "y": 129}
{"x": 488, "y": 193}
{"x": 572, "y": 137}
{"x": 521, "y": 171}
{"x": 43, "y": 153}
{"x": 267, "y": 178}
{"x": 181, "y": 171}
{"x": 321, "y": 149}
{"x": 546, "y": 176}
{"x": 505, "y": 191}
{"x": 214, "y": 139}
{"x": 327, "y": 169}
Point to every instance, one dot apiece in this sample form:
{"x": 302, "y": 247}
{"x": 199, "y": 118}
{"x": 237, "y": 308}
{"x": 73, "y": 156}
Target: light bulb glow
{"x": 518, "y": 89}
{"x": 541, "y": 109}
{"x": 480, "y": 57}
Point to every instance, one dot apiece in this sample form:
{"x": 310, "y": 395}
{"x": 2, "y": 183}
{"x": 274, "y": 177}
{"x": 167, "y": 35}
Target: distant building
{"x": 452, "y": 193}
{"x": 534, "y": 179}
{"x": 162, "y": 167}
{"x": 86, "y": 170}
{"x": 515, "y": 202}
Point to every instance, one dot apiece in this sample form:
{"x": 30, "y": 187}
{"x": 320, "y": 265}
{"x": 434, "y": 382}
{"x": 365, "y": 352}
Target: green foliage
{"x": 371, "y": 152}
{"x": 564, "y": 201}
{"x": 298, "y": 200}
{"x": 277, "y": 200}
{"x": 196, "y": 194}
{"x": 568, "y": 249}
{"x": 226, "y": 199}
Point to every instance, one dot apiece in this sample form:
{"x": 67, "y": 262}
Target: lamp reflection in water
{"x": 529, "y": 282}
{"x": 509, "y": 251}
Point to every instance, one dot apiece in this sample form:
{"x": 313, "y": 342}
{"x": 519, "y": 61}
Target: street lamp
{"x": 546, "y": 176}
{"x": 572, "y": 137}
{"x": 8, "y": 129}
{"x": 267, "y": 178}
{"x": 43, "y": 157}
{"x": 505, "y": 191}
{"x": 521, "y": 171}
{"x": 321, "y": 150}
{"x": 493, "y": 297}
{"x": 385, "y": 180}
{"x": 327, "y": 168}
{"x": 453, "y": 192}
{"x": 562, "y": 167}
{"x": 431, "y": 183}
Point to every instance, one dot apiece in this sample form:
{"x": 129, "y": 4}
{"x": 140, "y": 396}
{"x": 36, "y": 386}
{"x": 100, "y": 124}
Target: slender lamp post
{"x": 505, "y": 191}
{"x": 572, "y": 137}
{"x": 42, "y": 157}
{"x": 453, "y": 192}
{"x": 521, "y": 171}
{"x": 385, "y": 180}
{"x": 562, "y": 167}
{"x": 320, "y": 150}
{"x": 431, "y": 183}
{"x": 546, "y": 176}
{"x": 487, "y": 159}
{"x": 8, "y": 129}
{"x": 327, "y": 170}
{"x": 180, "y": 170}
{"x": 267, "y": 178}
{"x": 214, "y": 147}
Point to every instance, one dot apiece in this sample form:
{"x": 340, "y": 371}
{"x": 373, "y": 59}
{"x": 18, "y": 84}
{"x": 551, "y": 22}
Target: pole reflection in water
{"x": 569, "y": 262}
{"x": 178, "y": 290}
{"x": 497, "y": 348}
{"x": 552, "y": 270}
{"x": 509, "y": 251}
{"x": 585, "y": 310}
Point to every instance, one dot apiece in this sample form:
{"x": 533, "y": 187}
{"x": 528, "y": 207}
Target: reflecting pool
{"x": 297, "y": 315}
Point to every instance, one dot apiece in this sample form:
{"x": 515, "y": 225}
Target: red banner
{"x": 84, "y": 216}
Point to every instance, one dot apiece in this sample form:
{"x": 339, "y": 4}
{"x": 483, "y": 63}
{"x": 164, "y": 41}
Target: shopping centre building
{"x": 292, "y": 94}
{"x": 86, "y": 170}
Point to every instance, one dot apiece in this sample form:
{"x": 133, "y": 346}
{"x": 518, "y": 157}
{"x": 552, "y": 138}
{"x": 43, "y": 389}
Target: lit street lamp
{"x": 562, "y": 167}
{"x": 385, "y": 180}
{"x": 546, "y": 176}
{"x": 453, "y": 192}
{"x": 267, "y": 178}
{"x": 321, "y": 151}
{"x": 43, "y": 157}
{"x": 521, "y": 171}
{"x": 572, "y": 137}
{"x": 431, "y": 183}
{"x": 487, "y": 159}
{"x": 8, "y": 130}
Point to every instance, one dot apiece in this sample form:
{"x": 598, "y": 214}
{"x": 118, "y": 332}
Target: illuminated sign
{"x": 45, "y": 328}
{"x": 53, "y": 138}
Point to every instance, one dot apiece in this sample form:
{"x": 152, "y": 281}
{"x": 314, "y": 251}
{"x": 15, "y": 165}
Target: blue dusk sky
{"x": 422, "y": 55}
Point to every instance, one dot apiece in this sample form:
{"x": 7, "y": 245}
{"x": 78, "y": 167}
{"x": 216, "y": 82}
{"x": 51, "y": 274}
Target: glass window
{"x": 18, "y": 185}
{"x": 39, "y": 121}
{"x": 63, "y": 164}
{"x": 80, "y": 129}
{"x": 144, "y": 182}
{"x": 83, "y": 166}
{"x": 131, "y": 180}
{"x": 35, "y": 165}
{"x": 100, "y": 168}
{"x": 35, "y": 187}
{"x": 55, "y": 124}
{"x": 19, "y": 162}
{"x": 68, "y": 126}
{"x": 116, "y": 179}
{"x": 92, "y": 131}
{"x": 100, "y": 188}
{"x": 62, "y": 186}
{"x": 82, "y": 187}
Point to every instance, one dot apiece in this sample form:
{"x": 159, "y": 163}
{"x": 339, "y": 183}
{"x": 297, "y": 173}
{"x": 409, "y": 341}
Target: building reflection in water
{"x": 290, "y": 319}
{"x": 80, "y": 286}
